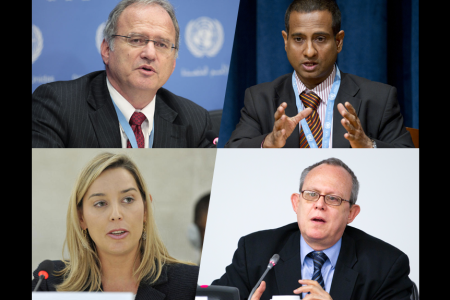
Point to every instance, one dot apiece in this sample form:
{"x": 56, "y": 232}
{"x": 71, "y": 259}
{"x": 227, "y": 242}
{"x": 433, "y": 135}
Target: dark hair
{"x": 307, "y": 6}
{"x": 201, "y": 207}
{"x": 339, "y": 163}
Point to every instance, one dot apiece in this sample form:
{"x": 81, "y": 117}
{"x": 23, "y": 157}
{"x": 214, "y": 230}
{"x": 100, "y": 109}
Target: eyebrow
{"x": 157, "y": 37}
{"x": 103, "y": 194}
{"x": 315, "y": 33}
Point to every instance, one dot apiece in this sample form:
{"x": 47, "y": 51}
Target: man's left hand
{"x": 312, "y": 286}
{"x": 355, "y": 133}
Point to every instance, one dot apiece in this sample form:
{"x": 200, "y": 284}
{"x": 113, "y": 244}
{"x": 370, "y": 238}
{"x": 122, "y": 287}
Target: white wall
{"x": 176, "y": 178}
{"x": 252, "y": 188}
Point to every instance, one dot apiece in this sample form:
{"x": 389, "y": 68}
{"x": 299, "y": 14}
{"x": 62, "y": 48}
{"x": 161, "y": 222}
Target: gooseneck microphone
{"x": 212, "y": 137}
{"x": 273, "y": 261}
{"x": 45, "y": 268}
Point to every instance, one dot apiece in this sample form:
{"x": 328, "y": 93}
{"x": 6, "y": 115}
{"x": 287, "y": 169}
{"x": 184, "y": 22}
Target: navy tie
{"x": 319, "y": 259}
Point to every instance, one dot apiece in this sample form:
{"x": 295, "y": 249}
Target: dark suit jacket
{"x": 375, "y": 103}
{"x": 177, "y": 281}
{"x": 367, "y": 268}
{"x": 80, "y": 114}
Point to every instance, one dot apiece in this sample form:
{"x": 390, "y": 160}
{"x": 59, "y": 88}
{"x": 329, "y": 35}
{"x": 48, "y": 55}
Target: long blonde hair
{"x": 83, "y": 269}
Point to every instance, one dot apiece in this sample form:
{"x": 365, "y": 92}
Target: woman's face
{"x": 113, "y": 211}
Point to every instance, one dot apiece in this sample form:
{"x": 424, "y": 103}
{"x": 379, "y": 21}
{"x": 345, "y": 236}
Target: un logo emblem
{"x": 310, "y": 137}
{"x": 37, "y": 43}
{"x": 204, "y": 36}
{"x": 327, "y": 125}
{"x": 99, "y": 36}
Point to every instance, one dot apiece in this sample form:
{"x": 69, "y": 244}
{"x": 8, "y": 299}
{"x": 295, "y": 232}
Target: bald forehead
{"x": 334, "y": 175}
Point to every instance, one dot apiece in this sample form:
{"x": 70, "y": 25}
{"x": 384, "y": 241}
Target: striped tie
{"x": 311, "y": 100}
{"x": 319, "y": 259}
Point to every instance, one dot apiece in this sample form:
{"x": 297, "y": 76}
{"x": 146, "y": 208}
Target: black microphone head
{"x": 273, "y": 261}
{"x": 46, "y": 266}
{"x": 211, "y": 136}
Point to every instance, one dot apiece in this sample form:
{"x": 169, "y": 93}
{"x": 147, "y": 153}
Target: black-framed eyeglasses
{"x": 329, "y": 199}
{"x": 138, "y": 40}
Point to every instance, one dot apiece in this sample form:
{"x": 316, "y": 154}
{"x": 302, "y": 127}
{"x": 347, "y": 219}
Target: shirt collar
{"x": 332, "y": 252}
{"x": 327, "y": 83}
{"x": 126, "y": 108}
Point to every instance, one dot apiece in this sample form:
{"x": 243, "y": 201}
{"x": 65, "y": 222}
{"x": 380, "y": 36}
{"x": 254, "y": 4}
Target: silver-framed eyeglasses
{"x": 138, "y": 40}
{"x": 329, "y": 199}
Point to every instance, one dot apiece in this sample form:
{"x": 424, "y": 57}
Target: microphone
{"x": 45, "y": 267}
{"x": 211, "y": 136}
{"x": 273, "y": 261}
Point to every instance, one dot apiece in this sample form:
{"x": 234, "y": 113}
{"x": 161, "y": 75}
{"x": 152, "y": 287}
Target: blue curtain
{"x": 381, "y": 43}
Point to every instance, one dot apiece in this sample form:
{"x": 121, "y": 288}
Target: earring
{"x": 144, "y": 235}
{"x": 85, "y": 238}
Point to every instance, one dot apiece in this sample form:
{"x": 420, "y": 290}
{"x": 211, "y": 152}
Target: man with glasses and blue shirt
{"x": 318, "y": 106}
{"x": 320, "y": 256}
{"x": 125, "y": 105}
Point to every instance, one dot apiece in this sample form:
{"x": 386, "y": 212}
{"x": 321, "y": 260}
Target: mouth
{"x": 148, "y": 69}
{"x": 318, "y": 220}
{"x": 118, "y": 233}
{"x": 309, "y": 65}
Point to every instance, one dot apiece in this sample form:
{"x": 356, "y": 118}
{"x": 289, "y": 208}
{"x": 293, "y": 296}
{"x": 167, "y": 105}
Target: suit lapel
{"x": 347, "y": 93}
{"x": 288, "y": 269}
{"x": 167, "y": 133}
{"x": 344, "y": 277}
{"x": 285, "y": 93}
{"x": 103, "y": 117}
{"x": 148, "y": 292}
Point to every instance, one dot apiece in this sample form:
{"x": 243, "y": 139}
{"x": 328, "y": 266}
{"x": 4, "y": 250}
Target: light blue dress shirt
{"x": 328, "y": 267}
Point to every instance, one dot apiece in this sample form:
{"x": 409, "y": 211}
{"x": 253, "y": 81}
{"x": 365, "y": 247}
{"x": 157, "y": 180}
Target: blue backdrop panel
{"x": 66, "y": 37}
{"x": 381, "y": 44}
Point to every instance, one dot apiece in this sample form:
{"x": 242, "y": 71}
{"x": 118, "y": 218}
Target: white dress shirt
{"x": 127, "y": 110}
{"x": 322, "y": 90}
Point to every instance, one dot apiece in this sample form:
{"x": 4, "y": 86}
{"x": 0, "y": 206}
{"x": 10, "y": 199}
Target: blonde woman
{"x": 112, "y": 239}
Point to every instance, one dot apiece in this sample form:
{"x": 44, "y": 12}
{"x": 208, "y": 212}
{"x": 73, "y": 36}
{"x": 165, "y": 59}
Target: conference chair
{"x": 218, "y": 292}
{"x": 414, "y": 135}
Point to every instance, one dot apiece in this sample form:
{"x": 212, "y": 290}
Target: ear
{"x": 354, "y": 211}
{"x": 285, "y": 37}
{"x": 81, "y": 218}
{"x": 174, "y": 64}
{"x": 295, "y": 198}
{"x": 340, "y": 40}
{"x": 150, "y": 196}
{"x": 104, "y": 50}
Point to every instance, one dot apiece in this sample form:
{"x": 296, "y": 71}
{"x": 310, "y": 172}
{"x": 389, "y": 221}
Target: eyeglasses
{"x": 137, "y": 40}
{"x": 329, "y": 199}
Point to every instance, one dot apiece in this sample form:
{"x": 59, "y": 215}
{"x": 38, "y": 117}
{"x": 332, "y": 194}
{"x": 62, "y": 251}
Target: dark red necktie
{"x": 135, "y": 121}
{"x": 311, "y": 100}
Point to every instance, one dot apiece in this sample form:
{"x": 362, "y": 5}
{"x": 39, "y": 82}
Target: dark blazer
{"x": 375, "y": 103}
{"x": 367, "y": 268}
{"x": 80, "y": 114}
{"x": 177, "y": 281}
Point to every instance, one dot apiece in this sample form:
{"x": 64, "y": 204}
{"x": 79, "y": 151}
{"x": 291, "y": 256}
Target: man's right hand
{"x": 259, "y": 291}
{"x": 283, "y": 126}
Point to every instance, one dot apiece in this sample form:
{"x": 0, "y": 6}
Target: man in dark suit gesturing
{"x": 334, "y": 109}
{"x": 320, "y": 254}
{"x": 125, "y": 105}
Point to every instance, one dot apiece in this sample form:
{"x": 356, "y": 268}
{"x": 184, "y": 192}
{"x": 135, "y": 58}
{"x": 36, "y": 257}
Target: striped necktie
{"x": 311, "y": 100}
{"x": 135, "y": 121}
{"x": 319, "y": 259}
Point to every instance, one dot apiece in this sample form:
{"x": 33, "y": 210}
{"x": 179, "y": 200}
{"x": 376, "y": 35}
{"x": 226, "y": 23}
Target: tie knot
{"x": 318, "y": 257}
{"x": 137, "y": 118}
{"x": 310, "y": 100}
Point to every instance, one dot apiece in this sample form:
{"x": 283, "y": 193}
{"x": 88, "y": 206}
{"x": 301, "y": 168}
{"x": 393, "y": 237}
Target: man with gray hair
{"x": 125, "y": 105}
{"x": 320, "y": 256}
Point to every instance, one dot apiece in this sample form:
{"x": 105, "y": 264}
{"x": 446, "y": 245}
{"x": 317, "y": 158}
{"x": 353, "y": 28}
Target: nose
{"x": 320, "y": 203}
{"x": 310, "y": 50}
{"x": 116, "y": 212}
{"x": 149, "y": 51}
